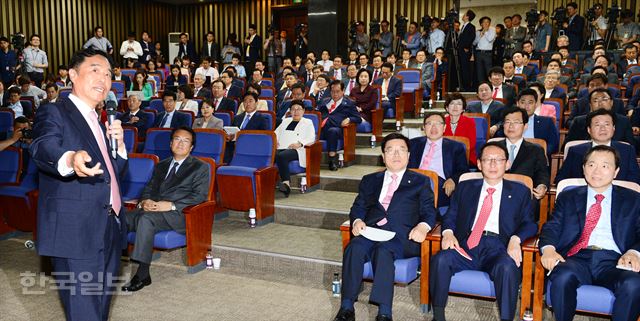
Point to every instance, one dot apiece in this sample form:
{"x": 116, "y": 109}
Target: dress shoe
{"x": 345, "y": 315}
{"x": 136, "y": 284}
{"x": 383, "y": 318}
{"x": 333, "y": 164}
{"x": 285, "y": 189}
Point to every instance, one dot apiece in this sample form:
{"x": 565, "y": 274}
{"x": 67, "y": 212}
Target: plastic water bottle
{"x": 335, "y": 285}
{"x": 252, "y": 217}
{"x": 527, "y": 316}
{"x": 341, "y": 160}
{"x": 209, "y": 261}
{"x": 430, "y": 103}
{"x": 398, "y": 125}
{"x": 373, "y": 141}
{"x": 303, "y": 185}
{"x": 422, "y": 111}
{"x": 437, "y": 95}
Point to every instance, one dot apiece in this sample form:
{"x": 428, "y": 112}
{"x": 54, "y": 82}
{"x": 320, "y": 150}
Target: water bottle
{"x": 528, "y": 315}
{"x": 422, "y": 111}
{"x": 335, "y": 285}
{"x": 341, "y": 160}
{"x": 209, "y": 261}
{"x": 430, "y": 103}
{"x": 252, "y": 217}
{"x": 373, "y": 141}
{"x": 303, "y": 185}
{"x": 398, "y": 126}
{"x": 437, "y": 95}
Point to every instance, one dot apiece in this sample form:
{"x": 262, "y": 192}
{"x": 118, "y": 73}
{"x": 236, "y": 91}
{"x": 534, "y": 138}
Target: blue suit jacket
{"x": 564, "y": 227}
{"x": 495, "y": 110}
{"x": 179, "y": 119}
{"x": 257, "y": 122}
{"x": 572, "y": 165}
{"x": 412, "y": 203}
{"x": 415, "y": 44}
{"x": 516, "y": 211}
{"x": 73, "y": 211}
{"x": 142, "y": 124}
{"x": 454, "y": 157}
{"x": 394, "y": 90}
{"x": 345, "y": 110}
{"x": 545, "y": 128}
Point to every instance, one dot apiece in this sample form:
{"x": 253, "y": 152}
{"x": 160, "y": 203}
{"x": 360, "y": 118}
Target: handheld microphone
{"x": 111, "y": 117}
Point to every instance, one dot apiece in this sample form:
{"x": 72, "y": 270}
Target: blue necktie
{"x": 164, "y": 120}
{"x": 245, "y": 121}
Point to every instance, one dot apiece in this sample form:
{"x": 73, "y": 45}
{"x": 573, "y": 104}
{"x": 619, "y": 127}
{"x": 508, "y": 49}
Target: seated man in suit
{"x": 350, "y": 80}
{"x": 135, "y": 117}
{"x": 552, "y": 90}
{"x": 601, "y": 125}
{"x": 537, "y": 126}
{"x": 509, "y": 68}
{"x": 521, "y": 68}
{"x": 117, "y": 75}
{"x": 426, "y": 68}
{"x": 320, "y": 90}
{"x": 391, "y": 87}
{"x": 500, "y": 89}
{"x": 442, "y": 155}
{"x": 170, "y": 118}
{"x": 177, "y": 182}
{"x": 630, "y": 57}
{"x": 249, "y": 120}
{"x": 297, "y": 93}
{"x": 525, "y": 158}
{"x": 337, "y": 112}
{"x": 199, "y": 90}
{"x": 601, "y": 98}
{"x": 397, "y": 200}
{"x": 231, "y": 91}
{"x": 487, "y": 105}
{"x": 337, "y": 70}
{"x": 583, "y": 106}
{"x": 584, "y": 247}
{"x": 220, "y": 102}
{"x": 285, "y": 94}
{"x": 487, "y": 219}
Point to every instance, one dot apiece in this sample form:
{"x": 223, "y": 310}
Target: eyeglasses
{"x": 498, "y": 161}
{"x": 508, "y": 123}
{"x": 401, "y": 151}
{"x": 178, "y": 140}
{"x": 600, "y": 100}
{"x": 434, "y": 123}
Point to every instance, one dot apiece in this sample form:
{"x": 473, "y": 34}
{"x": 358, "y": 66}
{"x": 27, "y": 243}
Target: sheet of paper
{"x": 376, "y": 234}
{"x": 462, "y": 252}
{"x": 231, "y": 130}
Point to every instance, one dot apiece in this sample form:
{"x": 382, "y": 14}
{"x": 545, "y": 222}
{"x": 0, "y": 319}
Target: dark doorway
{"x": 287, "y": 17}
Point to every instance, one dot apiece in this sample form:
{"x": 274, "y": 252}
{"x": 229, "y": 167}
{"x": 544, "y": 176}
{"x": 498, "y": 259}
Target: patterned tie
{"x": 320, "y": 94}
{"x": 512, "y": 154}
{"x": 331, "y": 109}
{"x": 495, "y": 93}
{"x": 393, "y": 186}
{"x": 426, "y": 159}
{"x": 593, "y": 215}
{"x": 375, "y": 74}
{"x": 485, "y": 210}
{"x": 99, "y": 136}
{"x": 351, "y": 82}
{"x": 245, "y": 121}
{"x": 335, "y": 74}
{"x": 164, "y": 120}
{"x": 215, "y": 104}
{"x": 172, "y": 171}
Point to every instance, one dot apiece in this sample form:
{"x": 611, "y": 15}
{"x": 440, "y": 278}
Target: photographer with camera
{"x": 543, "y": 33}
{"x": 412, "y": 39}
{"x": 21, "y": 127}
{"x": 628, "y": 30}
{"x": 598, "y": 24}
{"x": 574, "y": 27}
{"x": 384, "y": 38}
{"x": 273, "y": 45}
{"x": 301, "y": 43}
{"x": 436, "y": 36}
{"x": 359, "y": 40}
{"x": 8, "y": 62}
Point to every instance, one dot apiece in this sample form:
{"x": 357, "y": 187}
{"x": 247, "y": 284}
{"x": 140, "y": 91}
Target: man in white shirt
{"x": 130, "y": 48}
{"x": 209, "y": 73}
{"x": 436, "y": 36}
{"x": 484, "y": 48}
{"x": 326, "y": 61}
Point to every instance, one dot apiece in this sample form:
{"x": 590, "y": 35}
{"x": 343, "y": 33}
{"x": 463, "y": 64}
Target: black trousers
{"x": 283, "y": 158}
{"x": 483, "y": 64}
{"x": 37, "y": 78}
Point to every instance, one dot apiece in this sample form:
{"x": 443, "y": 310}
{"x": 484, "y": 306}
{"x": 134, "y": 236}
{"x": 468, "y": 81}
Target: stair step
{"x": 318, "y": 209}
{"x": 344, "y": 180}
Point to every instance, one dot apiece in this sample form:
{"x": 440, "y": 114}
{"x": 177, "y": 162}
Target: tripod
{"x": 452, "y": 41}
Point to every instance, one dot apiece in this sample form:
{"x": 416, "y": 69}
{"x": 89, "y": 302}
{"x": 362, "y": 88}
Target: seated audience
{"x": 29, "y": 90}
{"x": 135, "y": 116}
{"x": 446, "y": 157}
{"x": 385, "y": 200}
{"x": 210, "y": 73}
{"x": 364, "y": 96}
{"x": 185, "y": 93}
{"x": 543, "y": 109}
{"x": 13, "y": 102}
{"x": 175, "y": 79}
{"x": 170, "y": 118}
{"x": 487, "y": 105}
{"x": 457, "y": 124}
{"x": 177, "y": 182}
{"x": 140, "y": 84}
{"x": 249, "y": 120}
{"x": 52, "y": 94}
{"x": 207, "y": 120}
{"x": 501, "y": 90}
{"x": 293, "y": 134}
{"x": 262, "y": 104}
{"x": 220, "y": 102}
{"x": 391, "y": 87}
{"x": 584, "y": 247}
{"x": 199, "y": 90}
{"x": 488, "y": 219}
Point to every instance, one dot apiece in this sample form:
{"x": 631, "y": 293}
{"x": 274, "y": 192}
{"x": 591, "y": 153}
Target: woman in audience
{"x": 208, "y": 120}
{"x": 158, "y": 51}
{"x": 364, "y": 96}
{"x": 262, "y": 104}
{"x": 140, "y": 83}
{"x": 293, "y": 134}
{"x": 232, "y": 47}
{"x": 185, "y": 93}
{"x": 297, "y": 62}
{"x": 175, "y": 79}
{"x": 458, "y": 124}
{"x": 543, "y": 109}
{"x": 498, "y": 46}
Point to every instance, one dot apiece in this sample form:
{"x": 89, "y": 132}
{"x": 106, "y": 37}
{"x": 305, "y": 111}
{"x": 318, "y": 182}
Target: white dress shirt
{"x": 493, "y": 223}
{"x": 436, "y": 163}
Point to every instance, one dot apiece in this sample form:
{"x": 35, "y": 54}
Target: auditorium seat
{"x": 17, "y": 210}
{"x": 483, "y": 123}
{"x": 411, "y": 89}
{"x": 225, "y": 116}
{"x": 6, "y": 122}
{"x": 377, "y": 117}
{"x": 139, "y": 172}
{"x": 157, "y": 143}
{"x": 210, "y": 143}
{"x": 271, "y": 118}
{"x": 10, "y": 165}
{"x": 130, "y": 135}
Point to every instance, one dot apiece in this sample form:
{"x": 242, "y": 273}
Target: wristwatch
{"x": 173, "y": 207}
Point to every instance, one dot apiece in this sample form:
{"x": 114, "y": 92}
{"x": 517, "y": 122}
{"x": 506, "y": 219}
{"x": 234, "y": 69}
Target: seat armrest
{"x": 345, "y": 233}
{"x": 198, "y": 222}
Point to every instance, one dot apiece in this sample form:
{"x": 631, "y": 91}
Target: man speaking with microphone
{"x": 79, "y": 203}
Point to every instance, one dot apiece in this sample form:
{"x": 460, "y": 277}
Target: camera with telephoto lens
{"x": 374, "y": 27}
{"x": 27, "y": 133}
{"x": 353, "y": 26}
{"x": 425, "y": 22}
{"x": 299, "y": 28}
{"x": 271, "y": 28}
{"x": 401, "y": 25}
{"x": 614, "y": 12}
{"x": 591, "y": 14}
{"x": 452, "y": 17}
{"x": 18, "y": 41}
{"x": 560, "y": 16}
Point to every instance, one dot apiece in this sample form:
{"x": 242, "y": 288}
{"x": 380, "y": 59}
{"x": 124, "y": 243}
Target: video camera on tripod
{"x": 18, "y": 42}
{"x": 532, "y": 17}
{"x": 559, "y": 16}
{"x": 353, "y": 26}
{"x": 374, "y": 27}
{"x": 590, "y": 15}
{"x": 401, "y": 25}
{"x": 613, "y": 13}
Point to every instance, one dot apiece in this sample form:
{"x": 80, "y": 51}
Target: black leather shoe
{"x": 345, "y": 315}
{"x": 333, "y": 165}
{"x": 285, "y": 189}
{"x": 136, "y": 284}
{"x": 383, "y": 318}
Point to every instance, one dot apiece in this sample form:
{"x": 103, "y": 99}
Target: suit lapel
{"x": 378, "y": 188}
{"x": 616, "y": 210}
{"x": 81, "y": 124}
{"x": 505, "y": 205}
{"x": 405, "y": 182}
{"x": 474, "y": 198}
{"x": 581, "y": 204}
{"x": 447, "y": 166}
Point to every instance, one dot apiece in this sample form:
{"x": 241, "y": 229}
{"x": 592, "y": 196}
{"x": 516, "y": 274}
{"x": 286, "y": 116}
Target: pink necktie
{"x": 335, "y": 74}
{"x": 485, "y": 210}
{"x": 387, "y": 198}
{"x": 99, "y": 136}
{"x": 426, "y": 159}
{"x": 593, "y": 215}
{"x": 351, "y": 85}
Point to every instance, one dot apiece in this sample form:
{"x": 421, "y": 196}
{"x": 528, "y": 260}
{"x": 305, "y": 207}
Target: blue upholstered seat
{"x": 10, "y": 162}
{"x": 157, "y": 142}
{"x": 591, "y": 298}
{"x": 6, "y": 123}
{"x": 209, "y": 143}
{"x": 156, "y": 104}
{"x": 364, "y": 127}
{"x": 29, "y": 182}
{"x": 119, "y": 88}
{"x": 481, "y": 132}
{"x": 130, "y": 138}
{"x": 406, "y": 270}
{"x": 225, "y": 117}
{"x": 410, "y": 80}
{"x": 165, "y": 240}
{"x": 472, "y": 282}
{"x": 266, "y": 93}
{"x": 294, "y": 166}
{"x": 139, "y": 173}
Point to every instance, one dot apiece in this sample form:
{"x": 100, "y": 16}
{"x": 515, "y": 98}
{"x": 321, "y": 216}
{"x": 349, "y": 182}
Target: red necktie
{"x": 215, "y": 103}
{"x": 225, "y": 92}
{"x": 351, "y": 85}
{"x": 99, "y": 136}
{"x": 593, "y": 215}
{"x": 375, "y": 74}
{"x": 485, "y": 210}
{"x": 331, "y": 109}
{"x": 495, "y": 92}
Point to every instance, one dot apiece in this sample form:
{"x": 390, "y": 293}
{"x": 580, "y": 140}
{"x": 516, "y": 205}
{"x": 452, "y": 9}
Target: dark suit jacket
{"x": 189, "y": 186}
{"x": 326, "y": 95}
{"x": 530, "y": 161}
{"x": 394, "y": 90}
{"x": 583, "y": 107}
{"x": 302, "y": 73}
{"x": 454, "y": 157}
{"x": 73, "y": 211}
{"x": 509, "y": 94}
{"x": 255, "y": 47}
{"x": 5, "y": 99}
{"x": 564, "y": 227}
{"x": 516, "y": 211}
{"x": 282, "y": 110}
{"x": 575, "y": 33}
{"x": 545, "y": 128}
{"x": 226, "y": 104}
{"x": 142, "y": 124}
{"x": 495, "y": 110}
{"x": 572, "y": 165}
{"x": 179, "y": 119}
{"x": 623, "y": 132}
{"x": 190, "y": 51}
{"x": 213, "y": 53}
{"x": 257, "y": 122}
{"x": 466, "y": 38}
{"x": 203, "y": 92}
{"x": 234, "y": 92}
{"x": 342, "y": 71}
{"x": 556, "y": 93}
{"x": 412, "y": 203}
{"x": 530, "y": 72}
{"x": 346, "y": 109}
{"x": 517, "y": 81}
{"x": 148, "y": 51}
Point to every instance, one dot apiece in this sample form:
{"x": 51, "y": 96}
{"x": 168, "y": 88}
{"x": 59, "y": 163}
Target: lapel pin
{"x": 409, "y": 182}
{"x": 509, "y": 196}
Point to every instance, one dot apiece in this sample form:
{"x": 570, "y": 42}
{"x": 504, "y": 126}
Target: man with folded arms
{"x": 487, "y": 220}
{"x": 593, "y": 238}
{"x": 397, "y": 200}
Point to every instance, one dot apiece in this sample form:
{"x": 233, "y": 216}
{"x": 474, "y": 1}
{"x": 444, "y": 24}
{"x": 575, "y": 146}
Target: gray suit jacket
{"x": 189, "y": 186}
{"x": 214, "y": 123}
